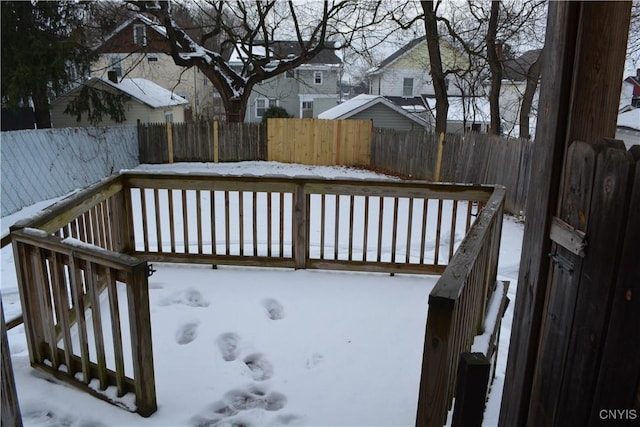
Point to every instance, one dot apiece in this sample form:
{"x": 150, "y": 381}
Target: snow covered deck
{"x": 397, "y": 227}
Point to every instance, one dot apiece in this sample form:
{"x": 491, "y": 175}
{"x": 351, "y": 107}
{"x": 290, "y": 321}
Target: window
{"x": 140, "y": 35}
{"x": 168, "y": 116}
{"x": 116, "y": 65}
{"x": 262, "y": 104}
{"x": 317, "y": 77}
{"x": 307, "y": 109}
{"x": 152, "y": 58}
{"x": 407, "y": 87}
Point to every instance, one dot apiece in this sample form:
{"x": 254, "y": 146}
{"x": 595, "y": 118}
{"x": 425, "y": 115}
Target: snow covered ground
{"x": 250, "y": 346}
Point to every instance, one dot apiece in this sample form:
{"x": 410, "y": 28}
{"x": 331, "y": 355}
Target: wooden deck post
{"x": 141, "y": 345}
{"x": 10, "y": 406}
{"x": 471, "y": 390}
{"x": 300, "y": 227}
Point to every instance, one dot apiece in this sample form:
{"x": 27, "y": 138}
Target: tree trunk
{"x": 236, "y": 109}
{"x": 495, "y": 65}
{"x": 533, "y": 76}
{"x": 435, "y": 62}
{"x": 41, "y": 107}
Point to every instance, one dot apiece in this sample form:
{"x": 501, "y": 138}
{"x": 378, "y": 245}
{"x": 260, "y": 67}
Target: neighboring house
{"x": 404, "y": 78}
{"x": 138, "y": 49}
{"x": 405, "y": 73}
{"x": 306, "y": 91}
{"x": 383, "y": 113}
{"x": 465, "y": 114}
{"x": 631, "y": 91}
{"x": 514, "y": 82}
{"x": 147, "y": 103}
{"x": 628, "y": 128}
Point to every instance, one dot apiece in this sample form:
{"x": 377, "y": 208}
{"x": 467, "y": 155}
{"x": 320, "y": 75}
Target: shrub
{"x": 275, "y": 113}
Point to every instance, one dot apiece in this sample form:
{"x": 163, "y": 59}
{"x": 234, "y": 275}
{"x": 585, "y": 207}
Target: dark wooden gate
{"x": 592, "y": 306}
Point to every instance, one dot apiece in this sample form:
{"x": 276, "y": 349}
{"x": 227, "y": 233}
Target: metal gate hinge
{"x": 562, "y": 262}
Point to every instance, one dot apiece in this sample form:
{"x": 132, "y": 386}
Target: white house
{"x": 514, "y": 82}
{"x": 405, "y": 72}
{"x": 146, "y": 102}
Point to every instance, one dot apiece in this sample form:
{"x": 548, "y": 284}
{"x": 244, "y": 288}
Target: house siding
{"x": 415, "y": 64}
{"x": 383, "y": 117}
{"x": 289, "y": 92}
{"x": 134, "y": 111}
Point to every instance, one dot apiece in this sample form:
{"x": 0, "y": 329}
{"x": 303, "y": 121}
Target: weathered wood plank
{"x": 620, "y": 360}
{"x": 606, "y": 225}
{"x": 558, "y": 315}
{"x": 551, "y": 135}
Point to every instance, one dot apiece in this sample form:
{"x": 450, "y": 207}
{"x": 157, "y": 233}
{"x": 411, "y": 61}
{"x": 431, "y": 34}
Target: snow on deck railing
{"x": 94, "y": 241}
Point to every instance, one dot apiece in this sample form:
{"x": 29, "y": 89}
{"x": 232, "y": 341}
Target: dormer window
{"x": 140, "y": 35}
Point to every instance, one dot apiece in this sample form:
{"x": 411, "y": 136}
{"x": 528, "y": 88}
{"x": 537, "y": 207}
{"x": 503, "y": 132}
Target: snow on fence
{"x": 99, "y": 241}
{"x": 42, "y": 164}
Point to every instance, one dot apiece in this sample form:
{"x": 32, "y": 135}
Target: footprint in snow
{"x": 261, "y": 369}
{"x": 233, "y": 402}
{"x": 187, "y": 333}
{"x": 228, "y": 344}
{"x": 275, "y": 310}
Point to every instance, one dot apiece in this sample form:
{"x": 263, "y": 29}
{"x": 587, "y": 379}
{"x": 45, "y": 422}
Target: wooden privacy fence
{"x": 94, "y": 243}
{"x": 319, "y": 142}
{"x": 201, "y": 142}
{"x": 473, "y": 158}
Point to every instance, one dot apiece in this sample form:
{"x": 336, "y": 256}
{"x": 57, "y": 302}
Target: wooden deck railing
{"x": 94, "y": 241}
{"x": 402, "y": 226}
{"x": 66, "y": 257}
{"x": 457, "y": 306}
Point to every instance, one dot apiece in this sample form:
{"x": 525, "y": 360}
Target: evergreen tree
{"x": 44, "y": 53}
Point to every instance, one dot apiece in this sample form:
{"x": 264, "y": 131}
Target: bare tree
{"x": 435, "y": 62}
{"x": 249, "y": 30}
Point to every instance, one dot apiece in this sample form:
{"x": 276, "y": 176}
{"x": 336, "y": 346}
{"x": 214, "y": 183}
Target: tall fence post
{"x": 170, "y": 141}
{"x": 436, "y": 177}
{"x": 216, "y": 142}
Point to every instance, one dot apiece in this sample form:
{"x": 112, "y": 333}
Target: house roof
{"x": 397, "y": 54}
{"x": 135, "y": 18}
{"x": 285, "y": 49}
{"x": 630, "y": 119}
{"x": 516, "y": 69}
{"x": 142, "y": 90}
{"x": 474, "y": 108}
{"x": 361, "y": 103}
